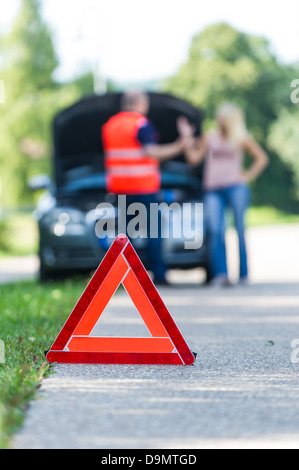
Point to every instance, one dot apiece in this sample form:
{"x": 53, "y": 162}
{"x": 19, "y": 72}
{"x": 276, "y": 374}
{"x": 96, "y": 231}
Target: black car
{"x": 66, "y": 213}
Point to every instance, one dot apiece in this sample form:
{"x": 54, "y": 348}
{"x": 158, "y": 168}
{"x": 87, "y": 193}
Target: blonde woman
{"x": 225, "y": 182}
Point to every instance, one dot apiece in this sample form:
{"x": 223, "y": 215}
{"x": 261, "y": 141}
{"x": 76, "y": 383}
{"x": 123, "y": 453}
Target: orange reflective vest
{"x": 129, "y": 170}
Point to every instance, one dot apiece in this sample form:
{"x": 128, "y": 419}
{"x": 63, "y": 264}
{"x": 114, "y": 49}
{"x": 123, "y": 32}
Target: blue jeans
{"x": 154, "y": 245}
{"x": 237, "y": 199}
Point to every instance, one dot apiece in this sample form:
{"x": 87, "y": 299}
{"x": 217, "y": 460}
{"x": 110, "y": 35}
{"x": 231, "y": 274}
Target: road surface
{"x": 18, "y": 268}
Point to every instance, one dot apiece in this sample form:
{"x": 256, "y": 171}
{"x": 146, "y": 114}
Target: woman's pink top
{"x": 224, "y": 163}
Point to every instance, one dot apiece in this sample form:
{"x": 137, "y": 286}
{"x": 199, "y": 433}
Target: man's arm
{"x": 149, "y": 139}
{"x": 164, "y": 152}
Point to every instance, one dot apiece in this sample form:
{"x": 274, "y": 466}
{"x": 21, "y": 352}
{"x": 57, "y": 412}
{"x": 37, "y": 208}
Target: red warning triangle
{"x": 75, "y": 344}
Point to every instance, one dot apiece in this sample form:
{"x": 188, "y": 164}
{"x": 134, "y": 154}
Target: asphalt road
{"x": 18, "y": 268}
{"x": 242, "y": 391}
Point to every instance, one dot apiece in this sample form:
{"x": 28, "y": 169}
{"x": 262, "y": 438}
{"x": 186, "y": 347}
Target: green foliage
{"x": 4, "y": 235}
{"x": 84, "y": 83}
{"x": 262, "y": 216}
{"x": 227, "y": 65}
{"x": 29, "y": 57}
{"x": 32, "y": 100}
{"x": 18, "y": 235}
{"x": 26, "y": 147}
{"x": 284, "y": 139}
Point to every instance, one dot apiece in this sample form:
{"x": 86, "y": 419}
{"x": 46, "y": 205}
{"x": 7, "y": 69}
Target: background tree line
{"x": 32, "y": 98}
{"x": 223, "y": 64}
{"x": 227, "y": 65}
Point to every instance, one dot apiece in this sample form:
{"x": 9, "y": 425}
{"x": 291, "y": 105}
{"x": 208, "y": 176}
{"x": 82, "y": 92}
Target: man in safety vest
{"x": 132, "y": 162}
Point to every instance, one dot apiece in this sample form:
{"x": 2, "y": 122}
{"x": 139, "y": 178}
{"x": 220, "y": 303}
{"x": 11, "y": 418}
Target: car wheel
{"x": 209, "y": 276}
{"x": 44, "y": 274}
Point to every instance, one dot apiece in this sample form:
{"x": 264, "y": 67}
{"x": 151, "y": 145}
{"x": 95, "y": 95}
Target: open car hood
{"x": 78, "y": 148}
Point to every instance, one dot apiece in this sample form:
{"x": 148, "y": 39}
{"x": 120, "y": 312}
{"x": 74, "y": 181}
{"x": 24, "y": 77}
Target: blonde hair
{"x": 233, "y": 120}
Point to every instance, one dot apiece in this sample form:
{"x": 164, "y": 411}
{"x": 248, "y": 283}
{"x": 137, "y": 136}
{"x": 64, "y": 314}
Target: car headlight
{"x": 60, "y": 221}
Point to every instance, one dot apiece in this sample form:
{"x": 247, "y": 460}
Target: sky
{"x": 134, "y": 40}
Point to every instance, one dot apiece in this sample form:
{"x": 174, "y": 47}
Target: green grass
{"x": 31, "y": 316}
{"x": 259, "y": 216}
{"x": 18, "y": 235}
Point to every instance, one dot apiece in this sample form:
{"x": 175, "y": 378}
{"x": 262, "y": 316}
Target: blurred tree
{"x": 29, "y": 59}
{"x": 32, "y": 98}
{"x": 227, "y": 65}
{"x": 284, "y": 139}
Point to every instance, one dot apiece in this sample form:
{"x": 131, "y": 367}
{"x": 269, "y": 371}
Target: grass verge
{"x": 18, "y": 235}
{"x": 31, "y": 316}
{"x": 259, "y": 216}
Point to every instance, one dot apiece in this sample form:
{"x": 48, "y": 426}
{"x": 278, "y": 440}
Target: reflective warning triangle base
{"x": 75, "y": 344}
